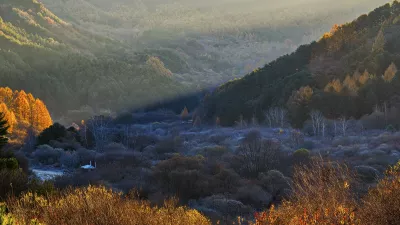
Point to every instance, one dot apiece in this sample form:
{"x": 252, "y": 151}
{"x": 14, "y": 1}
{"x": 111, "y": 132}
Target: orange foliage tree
{"x": 23, "y": 111}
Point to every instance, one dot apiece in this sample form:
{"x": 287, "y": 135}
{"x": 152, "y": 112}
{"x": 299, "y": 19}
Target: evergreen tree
{"x": 3, "y": 130}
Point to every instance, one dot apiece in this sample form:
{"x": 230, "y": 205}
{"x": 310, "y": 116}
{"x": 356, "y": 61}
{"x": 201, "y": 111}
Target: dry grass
{"x": 382, "y": 204}
{"x": 322, "y": 195}
{"x": 98, "y": 205}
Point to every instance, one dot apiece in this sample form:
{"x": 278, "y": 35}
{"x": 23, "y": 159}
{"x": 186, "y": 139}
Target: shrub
{"x": 367, "y": 173}
{"x": 142, "y": 141}
{"x": 23, "y": 162}
{"x": 85, "y": 156}
{"x": 253, "y": 195}
{"x": 258, "y": 155}
{"x": 343, "y": 141}
{"x": 13, "y": 182}
{"x": 296, "y": 138}
{"x": 214, "y": 152}
{"x": 390, "y": 128}
{"x": 308, "y": 145}
{"x": 275, "y": 183}
{"x": 224, "y": 205}
{"x": 8, "y": 163}
{"x": 54, "y": 132}
{"x": 114, "y": 147}
{"x": 301, "y": 156}
{"x": 321, "y": 195}
{"x": 217, "y": 138}
{"x": 169, "y": 145}
{"x": 69, "y": 159}
{"x": 373, "y": 121}
{"x": 98, "y": 205}
{"x": 382, "y": 204}
{"x": 47, "y": 155}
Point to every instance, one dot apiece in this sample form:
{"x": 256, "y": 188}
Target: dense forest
{"x": 350, "y": 72}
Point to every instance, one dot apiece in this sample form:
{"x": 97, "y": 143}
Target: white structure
{"x": 89, "y": 167}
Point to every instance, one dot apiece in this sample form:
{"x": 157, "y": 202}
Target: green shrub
{"x": 301, "y": 152}
{"x": 301, "y": 156}
{"x": 10, "y": 163}
{"x": 390, "y": 128}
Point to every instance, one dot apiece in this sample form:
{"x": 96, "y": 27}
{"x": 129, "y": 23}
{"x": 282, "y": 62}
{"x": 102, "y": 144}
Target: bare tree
{"x": 318, "y": 123}
{"x": 296, "y": 138}
{"x": 323, "y": 126}
{"x": 99, "y": 126}
{"x": 258, "y": 155}
{"x": 335, "y": 127}
{"x": 241, "y": 122}
{"x": 344, "y": 125}
{"x": 276, "y": 117}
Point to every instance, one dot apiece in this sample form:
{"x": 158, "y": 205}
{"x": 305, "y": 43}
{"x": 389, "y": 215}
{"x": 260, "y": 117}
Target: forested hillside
{"x": 58, "y": 62}
{"x": 349, "y": 72}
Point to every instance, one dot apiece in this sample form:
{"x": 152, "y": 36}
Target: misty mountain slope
{"x": 351, "y": 60}
{"x": 59, "y": 62}
{"x": 209, "y": 42}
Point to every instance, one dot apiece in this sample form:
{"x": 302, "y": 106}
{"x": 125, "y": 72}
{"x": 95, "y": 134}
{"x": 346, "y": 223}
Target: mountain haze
{"x": 60, "y": 62}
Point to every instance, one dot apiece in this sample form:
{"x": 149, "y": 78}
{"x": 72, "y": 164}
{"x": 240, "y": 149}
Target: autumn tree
{"x": 8, "y": 116}
{"x": 390, "y": 73}
{"x": 364, "y": 78}
{"x": 298, "y": 106}
{"x": 379, "y": 43}
{"x": 23, "y": 112}
{"x": 334, "y": 86}
{"x": 350, "y": 85}
{"x": 6, "y": 96}
{"x": 3, "y": 130}
{"x": 41, "y": 116}
{"x": 21, "y": 106}
{"x": 184, "y": 113}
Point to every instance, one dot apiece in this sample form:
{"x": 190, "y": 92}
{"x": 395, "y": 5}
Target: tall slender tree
{"x": 3, "y": 130}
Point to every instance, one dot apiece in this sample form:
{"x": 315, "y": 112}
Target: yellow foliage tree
{"x": 351, "y": 85}
{"x": 8, "y": 115}
{"x": 184, "y": 113}
{"x": 23, "y": 112}
{"x": 364, "y": 78}
{"x": 335, "y": 86}
{"x": 21, "y": 107}
{"x": 390, "y": 73}
{"x": 6, "y": 96}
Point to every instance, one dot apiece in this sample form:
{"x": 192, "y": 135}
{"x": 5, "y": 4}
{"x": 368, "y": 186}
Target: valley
{"x": 199, "y": 112}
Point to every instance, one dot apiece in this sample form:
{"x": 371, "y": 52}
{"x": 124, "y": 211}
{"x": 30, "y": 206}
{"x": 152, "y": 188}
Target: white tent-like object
{"x": 89, "y": 167}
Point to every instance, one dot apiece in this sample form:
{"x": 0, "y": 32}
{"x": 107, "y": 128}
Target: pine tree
{"x": 3, "y": 131}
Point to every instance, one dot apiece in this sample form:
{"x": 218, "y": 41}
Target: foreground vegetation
{"x": 322, "y": 194}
